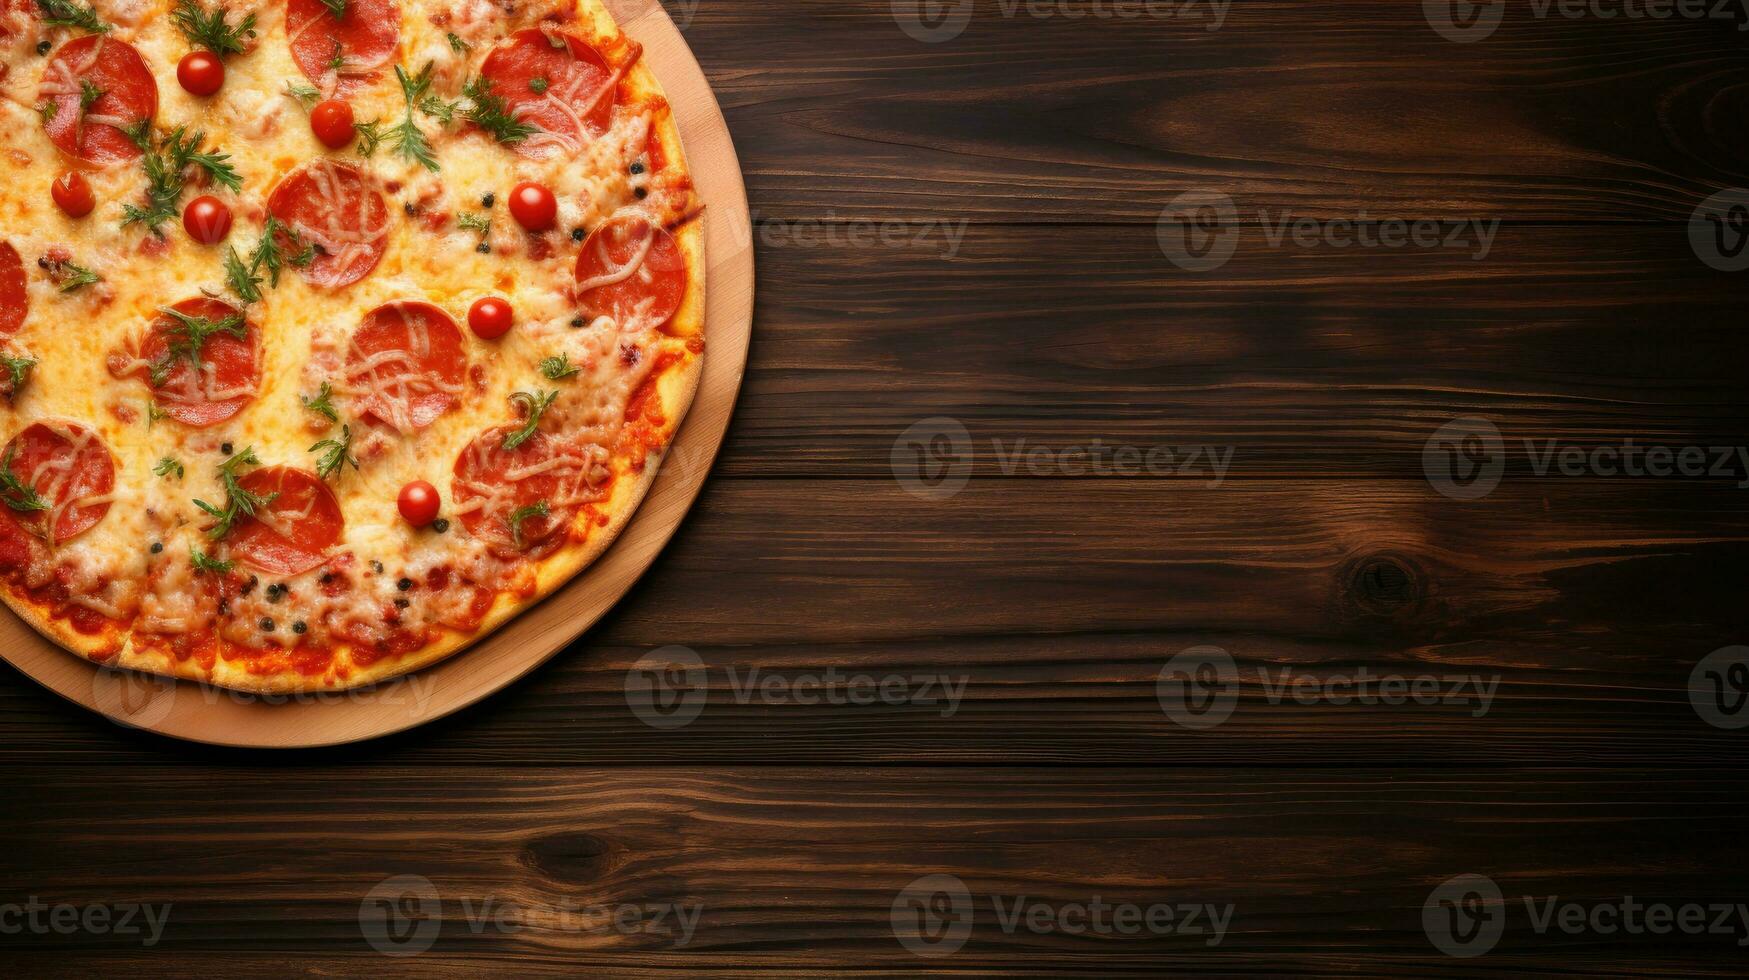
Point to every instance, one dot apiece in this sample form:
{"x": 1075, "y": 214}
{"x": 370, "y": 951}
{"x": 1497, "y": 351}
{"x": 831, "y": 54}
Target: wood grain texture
{"x": 1056, "y": 603}
{"x": 1056, "y": 597}
{"x": 1328, "y": 109}
{"x": 797, "y": 870}
{"x": 1328, "y": 361}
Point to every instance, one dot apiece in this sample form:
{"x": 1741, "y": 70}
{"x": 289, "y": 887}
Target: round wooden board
{"x": 206, "y": 714}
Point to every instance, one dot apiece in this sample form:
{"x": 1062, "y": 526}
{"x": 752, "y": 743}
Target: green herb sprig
{"x": 239, "y": 502}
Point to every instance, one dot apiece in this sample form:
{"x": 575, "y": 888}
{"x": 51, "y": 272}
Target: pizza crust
{"x": 676, "y": 386}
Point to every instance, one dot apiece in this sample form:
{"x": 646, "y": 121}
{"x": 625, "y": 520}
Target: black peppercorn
{"x": 225, "y": 447}
{"x": 266, "y": 625}
{"x": 157, "y": 547}
{"x": 275, "y": 592}
{"x": 640, "y": 193}
{"x": 404, "y": 584}
{"x": 376, "y": 566}
{"x": 299, "y": 627}
{"x": 407, "y": 206}
{"x": 440, "y": 525}
{"x": 576, "y": 321}
{"x": 483, "y": 248}
{"x": 402, "y": 603}
{"x": 42, "y": 47}
{"x": 488, "y": 200}
{"x": 577, "y": 234}
{"x": 637, "y": 167}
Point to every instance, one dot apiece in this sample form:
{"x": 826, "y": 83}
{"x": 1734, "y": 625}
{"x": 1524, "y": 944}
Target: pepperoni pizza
{"x": 334, "y": 332}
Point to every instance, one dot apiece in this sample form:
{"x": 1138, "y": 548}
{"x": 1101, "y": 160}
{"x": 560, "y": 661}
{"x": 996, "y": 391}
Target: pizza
{"x": 336, "y": 333}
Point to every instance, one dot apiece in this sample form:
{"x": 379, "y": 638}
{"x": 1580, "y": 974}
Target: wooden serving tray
{"x": 205, "y": 714}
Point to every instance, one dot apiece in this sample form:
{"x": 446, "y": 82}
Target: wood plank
{"x": 1329, "y": 109}
{"x": 1328, "y": 361}
{"x": 1056, "y": 604}
{"x": 799, "y": 869}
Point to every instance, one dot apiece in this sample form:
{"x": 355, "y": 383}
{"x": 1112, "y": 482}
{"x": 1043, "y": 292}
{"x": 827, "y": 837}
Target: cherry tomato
{"x": 72, "y": 194}
{"x": 490, "y": 317}
{"x": 418, "y": 503}
{"x": 207, "y": 220}
{"x": 200, "y": 72}
{"x": 533, "y": 206}
{"x": 332, "y": 122}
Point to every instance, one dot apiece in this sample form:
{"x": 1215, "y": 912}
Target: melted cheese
{"x": 306, "y": 330}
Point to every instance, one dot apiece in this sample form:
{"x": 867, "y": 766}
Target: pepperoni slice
{"x": 364, "y": 37}
{"x": 491, "y": 484}
{"x": 14, "y": 301}
{"x": 556, "y": 82}
{"x": 230, "y": 366}
{"x": 632, "y": 271}
{"x": 335, "y": 208}
{"x": 294, "y": 531}
{"x": 128, "y": 94}
{"x": 407, "y": 363}
{"x": 69, "y": 470}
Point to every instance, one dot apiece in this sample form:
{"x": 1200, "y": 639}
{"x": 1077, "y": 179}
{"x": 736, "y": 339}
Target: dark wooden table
{"x": 970, "y": 230}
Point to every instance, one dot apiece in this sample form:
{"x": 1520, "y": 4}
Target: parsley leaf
{"x": 16, "y": 493}
{"x": 406, "y": 137}
{"x": 67, "y": 13}
{"x": 239, "y": 503}
{"x": 322, "y": 404}
{"x": 189, "y": 336}
{"x": 18, "y": 370}
{"x": 88, "y": 95}
{"x": 167, "y": 467}
{"x": 210, "y": 30}
{"x": 557, "y": 367}
{"x": 166, "y": 168}
{"x": 77, "y": 276}
{"x": 536, "y": 405}
{"x": 306, "y": 95}
{"x": 202, "y": 563}
{"x": 456, "y": 44}
{"x": 370, "y": 136}
{"x": 336, "y": 454}
{"x": 537, "y": 509}
{"x": 492, "y": 114}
